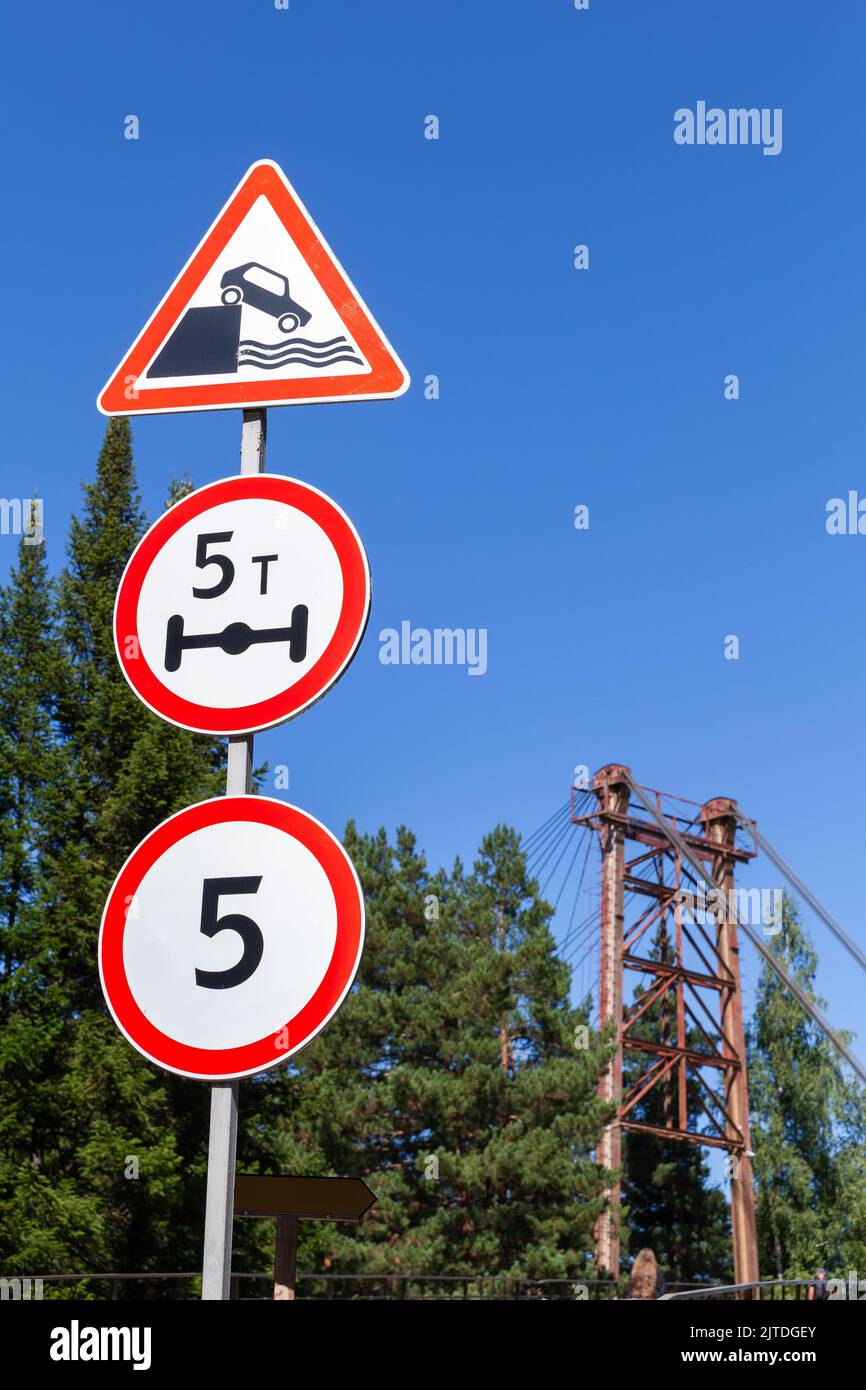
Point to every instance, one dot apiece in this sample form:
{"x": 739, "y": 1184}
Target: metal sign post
{"x": 220, "y": 639}
{"x": 219, "y": 1209}
{"x": 223, "y": 1136}
{"x": 189, "y": 1006}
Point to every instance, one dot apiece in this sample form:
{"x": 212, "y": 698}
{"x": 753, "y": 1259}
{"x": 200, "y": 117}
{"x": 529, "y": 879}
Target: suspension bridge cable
{"x": 589, "y": 840}
{"x": 577, "y": 931}
{"x": 557, "y": 864}
{"x": 568, "y": 934}
{"x": 772, "y": 960}
{"x": 799, "y": 886}
{"x": 578, "y": 847}
{"x": 545, "y": 824}
{"x": 551, "y": 832}
{"x": 587, "y": 942}
{"x": 587, "y": 926}
{"x": 541, "y": 864}
{"x": 558, "y": 812}
{"x": 587, "y": 952}
{"x": 535, "y": 869}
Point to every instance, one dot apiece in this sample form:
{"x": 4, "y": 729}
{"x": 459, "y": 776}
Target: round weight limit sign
{"x": 242, "y": 605}
{"x": 230, "y": 937}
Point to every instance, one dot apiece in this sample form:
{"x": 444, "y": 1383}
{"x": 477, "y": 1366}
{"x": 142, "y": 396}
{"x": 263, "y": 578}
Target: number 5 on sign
{"x": 231, "y": 936}
{"x": 249, "y": 932}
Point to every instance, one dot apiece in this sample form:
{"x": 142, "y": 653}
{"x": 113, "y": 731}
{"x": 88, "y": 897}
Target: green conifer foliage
{"x": 808, "y": 1128}
{"x": 451, "y": 1078}
{"x": 104, "y": 1154}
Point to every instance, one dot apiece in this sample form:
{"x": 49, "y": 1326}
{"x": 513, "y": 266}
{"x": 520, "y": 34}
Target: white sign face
{"x": 262, "y": 314}
{"x": 242, "y": 604}
{"x": 230, "y": 937}
{"x": 165, "y": 957}
{"x": 286, "y": 325}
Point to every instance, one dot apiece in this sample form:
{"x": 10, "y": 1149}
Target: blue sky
{"x": 558, "y": 387}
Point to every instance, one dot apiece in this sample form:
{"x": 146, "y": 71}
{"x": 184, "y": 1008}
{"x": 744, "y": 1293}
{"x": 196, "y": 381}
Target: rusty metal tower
{"x": 691, "y": 982}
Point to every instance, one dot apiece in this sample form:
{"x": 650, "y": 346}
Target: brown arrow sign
{"x": 312, "y": 1199}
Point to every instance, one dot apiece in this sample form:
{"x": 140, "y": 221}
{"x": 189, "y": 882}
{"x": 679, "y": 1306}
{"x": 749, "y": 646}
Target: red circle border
{"x": 341, "y": 649}
{"x": 224, "y": 1063}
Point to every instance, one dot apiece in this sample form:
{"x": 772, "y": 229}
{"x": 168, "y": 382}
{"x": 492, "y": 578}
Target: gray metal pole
{"x": 222, "y": 1139}
{"x": 220, "y": 1208}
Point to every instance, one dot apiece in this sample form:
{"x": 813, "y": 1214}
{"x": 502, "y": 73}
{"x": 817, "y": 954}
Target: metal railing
{"x": 115, "y": 1287}
{"x": 766, "y": 1290}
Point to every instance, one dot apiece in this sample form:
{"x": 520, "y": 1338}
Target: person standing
{"x": 646, "y": 1280}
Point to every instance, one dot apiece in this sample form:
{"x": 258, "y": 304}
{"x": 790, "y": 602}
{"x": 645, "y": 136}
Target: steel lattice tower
{"x": 691, "y": 988}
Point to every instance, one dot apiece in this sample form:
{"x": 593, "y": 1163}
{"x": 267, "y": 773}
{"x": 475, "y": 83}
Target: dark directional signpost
{"x": 234, "y": 930}
{"x": 290, "y": 1199}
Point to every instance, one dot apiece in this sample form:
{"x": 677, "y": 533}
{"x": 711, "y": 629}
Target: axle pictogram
{"x": 236, "y": 638}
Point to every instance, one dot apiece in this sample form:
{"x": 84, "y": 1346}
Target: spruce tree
{"x": 808, "y": 1127}
{"x": 125, "y": 769}
{"x": 40, "y": 1204}
{"x": 27, "y": 755}
{"x": 115, "y": 1176}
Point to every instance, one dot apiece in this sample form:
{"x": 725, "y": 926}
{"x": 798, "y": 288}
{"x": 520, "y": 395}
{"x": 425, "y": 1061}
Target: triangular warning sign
{"x": 262, "y": 314}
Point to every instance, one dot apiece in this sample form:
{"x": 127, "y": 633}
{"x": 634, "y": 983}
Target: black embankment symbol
{"x": 237, "y": 638}
{"x": 204, "y": 343}
{"x": 207, "y": 341}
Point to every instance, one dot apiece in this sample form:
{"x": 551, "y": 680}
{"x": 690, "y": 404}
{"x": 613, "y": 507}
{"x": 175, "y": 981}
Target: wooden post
{"x": 286, "y": 1257}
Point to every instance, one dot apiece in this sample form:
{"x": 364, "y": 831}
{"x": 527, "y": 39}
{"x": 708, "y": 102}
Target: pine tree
{"x": 451, "y": 1077}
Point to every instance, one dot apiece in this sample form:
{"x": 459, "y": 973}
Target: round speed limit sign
{"x": 231, "y": 936}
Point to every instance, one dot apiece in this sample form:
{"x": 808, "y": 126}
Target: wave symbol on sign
{"x": 302, "y": 352}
